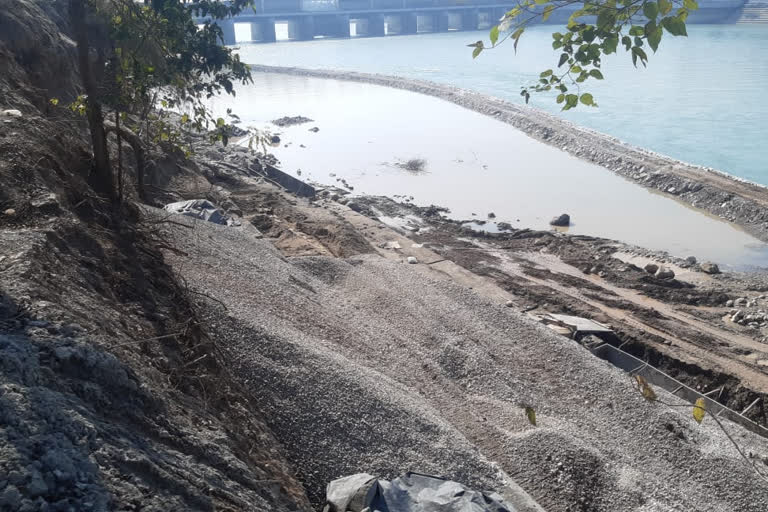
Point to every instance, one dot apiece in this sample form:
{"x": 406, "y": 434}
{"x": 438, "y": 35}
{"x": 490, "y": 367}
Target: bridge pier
{"x": 268, "y": 34}
{"x": 409, "y": 23}
{"x": 376, "y": 25}
{"x": 485, "y": 19}
{"x": 470, "y": 20}
{"x": 227, "y": 27}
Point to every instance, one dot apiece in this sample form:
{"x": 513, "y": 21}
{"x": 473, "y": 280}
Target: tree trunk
{"x": 101, "y": 178}
{"x": 138, "y": 152}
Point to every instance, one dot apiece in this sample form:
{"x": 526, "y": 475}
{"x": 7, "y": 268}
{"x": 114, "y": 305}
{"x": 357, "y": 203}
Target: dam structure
{"x": 303, "y": 20}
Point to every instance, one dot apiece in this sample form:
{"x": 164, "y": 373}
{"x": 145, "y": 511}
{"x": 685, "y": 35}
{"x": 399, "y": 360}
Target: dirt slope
{"x": 111, "y": 395}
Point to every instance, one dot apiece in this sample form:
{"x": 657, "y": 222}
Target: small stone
{"x": 314, "y": 129}
{"x": 729, "y": 303}
{"x": 740, "y": 302}
{"x": 37, "y": 486}
{"x": 412, "y": 260}
{"x": 561, "y": 221}
{"x": 665, "y": 273}
{"x": 710, "y": 268}
{"x": 12, "y": 113}
{"x": 510, "y": 304}
{"x": 691, "y": 260}
{"x": 737, "y": 316}
{"x": 9, "y": 212}
{"x": 651, "y": 268}
{"x": 10, "y": 499}
{"x": 491, "y": 215}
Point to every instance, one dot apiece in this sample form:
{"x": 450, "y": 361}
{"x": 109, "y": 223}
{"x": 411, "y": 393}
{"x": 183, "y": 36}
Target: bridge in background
{"x": 308, "y": 19}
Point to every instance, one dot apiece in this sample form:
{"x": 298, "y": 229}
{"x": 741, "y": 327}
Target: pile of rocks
{"x": 740, "y": 312}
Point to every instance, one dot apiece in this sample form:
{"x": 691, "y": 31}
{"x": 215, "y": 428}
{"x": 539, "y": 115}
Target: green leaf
{"x": 477, "y": 51}
{"x": 220, "y": 122}
{"x": 547, "y": 12}
{"x": 516, "y": 36}
{"x": 54, "y": 101}
{"x": 674, "y": 26}
{"x": 610, "y": 44}
{"x": 542, "y": 2}
{"x": 575, "y": 69}
{"x": 587, "y": 99}
{"x": 651, "y": 10}
{"x": 664, "y": 7}
{"x": 606, "y": 19}
{"x": 545, "y": 74}
{"x": 654, "y": 38}
{"x": 595, "y": 73}
{"x": 691, "y": 5}
{"x": 571, "y": 100}
{"x": 636, "y": 31}
{"x": 627, "y": 42}
{"x": 563, "y": 59}
{"x": 638, "y": 52}
{"x": 494, "y": 35}
{"x": 560, "y": 98}
{"x": 184, "y": 119}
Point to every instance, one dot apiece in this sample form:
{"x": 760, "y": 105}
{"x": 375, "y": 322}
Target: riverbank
{"x": 381, "y": 348}
{"x": 730, "y": 198}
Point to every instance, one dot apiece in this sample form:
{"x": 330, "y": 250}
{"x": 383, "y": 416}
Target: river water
{"x": 475, "y": 165}
{"x": 699, "y": 101}
{"x": 702, "y": 99}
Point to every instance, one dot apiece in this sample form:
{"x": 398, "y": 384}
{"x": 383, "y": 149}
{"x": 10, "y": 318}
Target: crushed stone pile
{"x": 368, "y": 365}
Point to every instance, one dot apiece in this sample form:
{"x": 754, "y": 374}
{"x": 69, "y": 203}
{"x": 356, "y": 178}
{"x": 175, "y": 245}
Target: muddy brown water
{"x": 475, "y": 165}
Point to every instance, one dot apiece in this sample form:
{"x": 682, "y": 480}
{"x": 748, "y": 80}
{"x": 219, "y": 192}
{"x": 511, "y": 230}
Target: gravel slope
{"x": 368, "y": 365}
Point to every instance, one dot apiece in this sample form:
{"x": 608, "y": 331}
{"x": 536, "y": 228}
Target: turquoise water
{"x": 701, "y": 99}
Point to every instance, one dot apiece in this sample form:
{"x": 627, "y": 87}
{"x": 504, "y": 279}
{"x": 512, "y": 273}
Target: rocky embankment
{"x": 726, "y": 196}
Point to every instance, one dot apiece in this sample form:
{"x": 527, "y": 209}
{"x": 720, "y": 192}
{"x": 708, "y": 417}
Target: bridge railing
{"x": 286, "y": 6}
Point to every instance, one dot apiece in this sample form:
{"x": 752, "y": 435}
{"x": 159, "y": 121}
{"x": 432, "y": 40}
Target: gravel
{"x": 369, "y": 365}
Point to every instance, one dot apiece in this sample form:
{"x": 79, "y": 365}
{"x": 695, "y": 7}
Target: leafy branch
{"x": 627, "y": 24}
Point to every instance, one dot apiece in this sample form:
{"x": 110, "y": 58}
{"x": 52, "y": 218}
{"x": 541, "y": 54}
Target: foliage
{"x": 155, "y": 68}
{"x": 596, "y": 29}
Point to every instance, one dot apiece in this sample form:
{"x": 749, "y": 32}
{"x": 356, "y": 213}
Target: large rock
{"x": 665, "y": 273}
{"x": 561, "y": 221}
{"x": 710, "y": 268}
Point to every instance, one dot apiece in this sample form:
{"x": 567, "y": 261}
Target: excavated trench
{"x": 725, "y": 395}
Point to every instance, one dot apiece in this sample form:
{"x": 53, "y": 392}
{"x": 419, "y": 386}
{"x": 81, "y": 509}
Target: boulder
{"x": 412, "y": 260}
{"x": 651, "y": 268}
{"x": 561, "y": 221}
{"x": 504, "y": 226}
{"x": 665, "y": 273}
{"x": 710, "y": 268}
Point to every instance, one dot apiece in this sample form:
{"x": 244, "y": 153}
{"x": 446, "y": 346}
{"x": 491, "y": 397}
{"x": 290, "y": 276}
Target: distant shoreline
{"x": 731, "y": 198}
